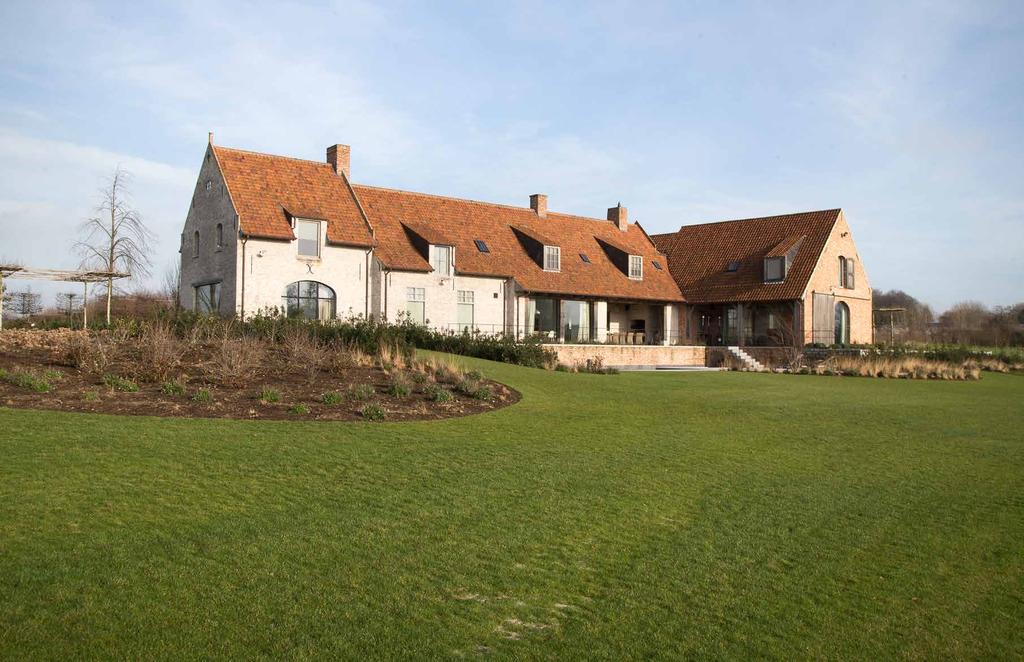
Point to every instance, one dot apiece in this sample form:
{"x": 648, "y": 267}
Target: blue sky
{"x": 906, "y": 115}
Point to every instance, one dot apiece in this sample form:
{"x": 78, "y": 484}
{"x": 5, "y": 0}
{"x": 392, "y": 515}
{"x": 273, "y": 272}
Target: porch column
{"x": 601, "y": 321}
{"x": 740, "y": 312}
{"x": 668, "y": 322}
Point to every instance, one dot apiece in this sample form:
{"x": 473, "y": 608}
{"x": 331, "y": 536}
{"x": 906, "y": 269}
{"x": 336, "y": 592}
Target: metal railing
{"x": 568, "y": 336}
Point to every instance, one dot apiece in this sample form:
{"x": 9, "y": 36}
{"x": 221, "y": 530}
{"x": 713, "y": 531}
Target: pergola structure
{"x": 66, "y": 275}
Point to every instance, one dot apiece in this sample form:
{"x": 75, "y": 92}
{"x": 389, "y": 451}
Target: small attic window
{"x": 774, "y": 269}
{"x": 733, "y": 266}
{"x": 585, "y": 257}
{"x": 209, "y": 185}
{"x": 657, "y": 265}
{"x": 481, "y": 246}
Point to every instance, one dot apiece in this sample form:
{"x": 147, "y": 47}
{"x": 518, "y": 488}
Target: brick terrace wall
{"x": 631, "y": 355}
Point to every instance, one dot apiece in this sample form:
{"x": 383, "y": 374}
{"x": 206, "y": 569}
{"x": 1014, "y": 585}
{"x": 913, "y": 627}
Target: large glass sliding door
{"x": 542, "y": 317}
{"x": 576, "y": 321}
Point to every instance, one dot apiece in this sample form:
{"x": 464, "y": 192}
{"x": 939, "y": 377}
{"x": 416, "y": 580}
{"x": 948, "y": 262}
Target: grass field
{"x": 638, "y": 515}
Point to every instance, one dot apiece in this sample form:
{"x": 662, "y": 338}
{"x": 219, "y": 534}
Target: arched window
{"x": 842, "y": 324}
{"x": 195, "y": 244}
{"x": 310, "y": 300}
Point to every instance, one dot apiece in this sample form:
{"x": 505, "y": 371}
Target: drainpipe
{"x": 366, "y": 296}
{"x": 244, "y": 240}
{"x": 384, "y": 312}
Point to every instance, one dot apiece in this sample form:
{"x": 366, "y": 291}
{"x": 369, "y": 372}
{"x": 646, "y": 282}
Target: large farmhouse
{"x": 270, "y": 232}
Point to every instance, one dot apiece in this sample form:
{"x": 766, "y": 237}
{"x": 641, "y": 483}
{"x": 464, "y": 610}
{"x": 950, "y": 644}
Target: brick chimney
{"x": 619, "y": 216}
{"x": 338, "y": 156}
{"x": 539, "y": 204}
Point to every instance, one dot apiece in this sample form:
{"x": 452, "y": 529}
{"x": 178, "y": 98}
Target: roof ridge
{"x": 760, "y": 218}
{"x": 472, "y": 201}
{"x": 271, "y": 156}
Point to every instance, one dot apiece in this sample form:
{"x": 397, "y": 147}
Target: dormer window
{"x": 636, "y": 267}
{"x": 552, "y": 258}
{"x": 441, "y": 260}
{"x": 307, "y": 235}
{"x": 774, "y": 269}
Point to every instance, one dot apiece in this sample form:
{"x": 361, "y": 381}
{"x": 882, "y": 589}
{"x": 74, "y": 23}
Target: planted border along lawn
{"x": 635, "y": 515}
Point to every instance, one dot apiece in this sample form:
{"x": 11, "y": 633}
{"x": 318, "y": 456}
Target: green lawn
{"x": 638, "y": 515}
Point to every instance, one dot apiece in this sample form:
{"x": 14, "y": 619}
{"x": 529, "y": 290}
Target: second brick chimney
{"x": 338, "y": 156}
{"x": 539, "y": 204}
{"x": 619, "y": 216}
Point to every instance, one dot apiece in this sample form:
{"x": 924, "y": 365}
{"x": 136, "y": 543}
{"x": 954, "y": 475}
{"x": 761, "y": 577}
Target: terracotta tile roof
{"x": 267, "y": 189}
{"x": 698, "y": 256}
{"x": 465, "y": 221}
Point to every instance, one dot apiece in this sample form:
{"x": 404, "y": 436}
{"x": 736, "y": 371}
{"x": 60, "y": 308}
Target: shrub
{"x": 235, "y": 360}
{"x": 269, "y": 395}
{"x": 474, "y": 375}
{"x": 361, "y": 391}
{"x": 483, "y": 392}
{"x": 373, "y": 413}
{"x": 331, "y": 398}
{"x": 420, "y": 378}
{"x": 399, "y": 386}
{"x": 160, "y": 351}
{"x": 172, "y": 388}
{"x": 93, "y": 354}
{"x": 202, "y": 396}
{"x": 118, "y": 383}
{"x": 475, "y": 389}
{"x": 299, "y": 409}
{"x": 438, "y": 393}
{"x": 306, "y": 351}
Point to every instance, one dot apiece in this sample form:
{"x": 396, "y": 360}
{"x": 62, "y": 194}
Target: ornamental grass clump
{"x": 202, "y": 397}
{"x": 118, "y": 383}
{"x": 172, "y": 388}
{"x": 269, "y": 395}
{"x": 373, "y": 413}
{"x": 400, "y": 386}
{"x": 29, "y": 380}
{"x": 361, "y": 391}
{"x": 438, "y": 393}
{"x": 331, "y": 398}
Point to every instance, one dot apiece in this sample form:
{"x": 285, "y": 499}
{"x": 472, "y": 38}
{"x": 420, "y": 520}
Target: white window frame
{"x": 465, "y": 300}
{"x": 416, "y": 295}
{"x": 319, "y": 238}
{"x": 552, "y": 258}
{"x": 638, "y": 262}
{"x": 442, "y": 268}
{"x": 783, "y": 262}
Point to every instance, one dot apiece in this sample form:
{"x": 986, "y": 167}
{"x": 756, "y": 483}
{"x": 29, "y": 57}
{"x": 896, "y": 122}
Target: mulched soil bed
{"x": 80, "y": 391}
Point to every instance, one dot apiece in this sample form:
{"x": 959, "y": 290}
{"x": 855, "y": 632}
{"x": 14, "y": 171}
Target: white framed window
{"x": 206, "y": 298}
{"x": 195, "y": 244}
{"x": 552, "y": 258}
{"x": 636, "y": 267}
{"x": 415, "y": 304}
{"x": 774, "y": 269}
{"x": 441, "y": 260}
{"x": 464, "y": 313}
{"x": 846, "y": 267}
{"x": 307, "y": 235}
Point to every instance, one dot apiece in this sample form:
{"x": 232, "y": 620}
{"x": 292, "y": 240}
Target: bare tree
{"x": 172, "y": 284}
{"x": 66, "y": 303}
{"x": 115, "y": 239}
{"x": 25, "y": 303}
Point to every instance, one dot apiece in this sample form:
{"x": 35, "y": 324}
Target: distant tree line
{"x": 905, "y": 319}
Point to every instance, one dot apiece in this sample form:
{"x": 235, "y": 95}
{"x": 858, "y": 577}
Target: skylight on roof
{"x": 733, "y": 266}
{"x": 585, "y": 257}
{"x": 657, "y": 265}
{"x": 481, "y": 246}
